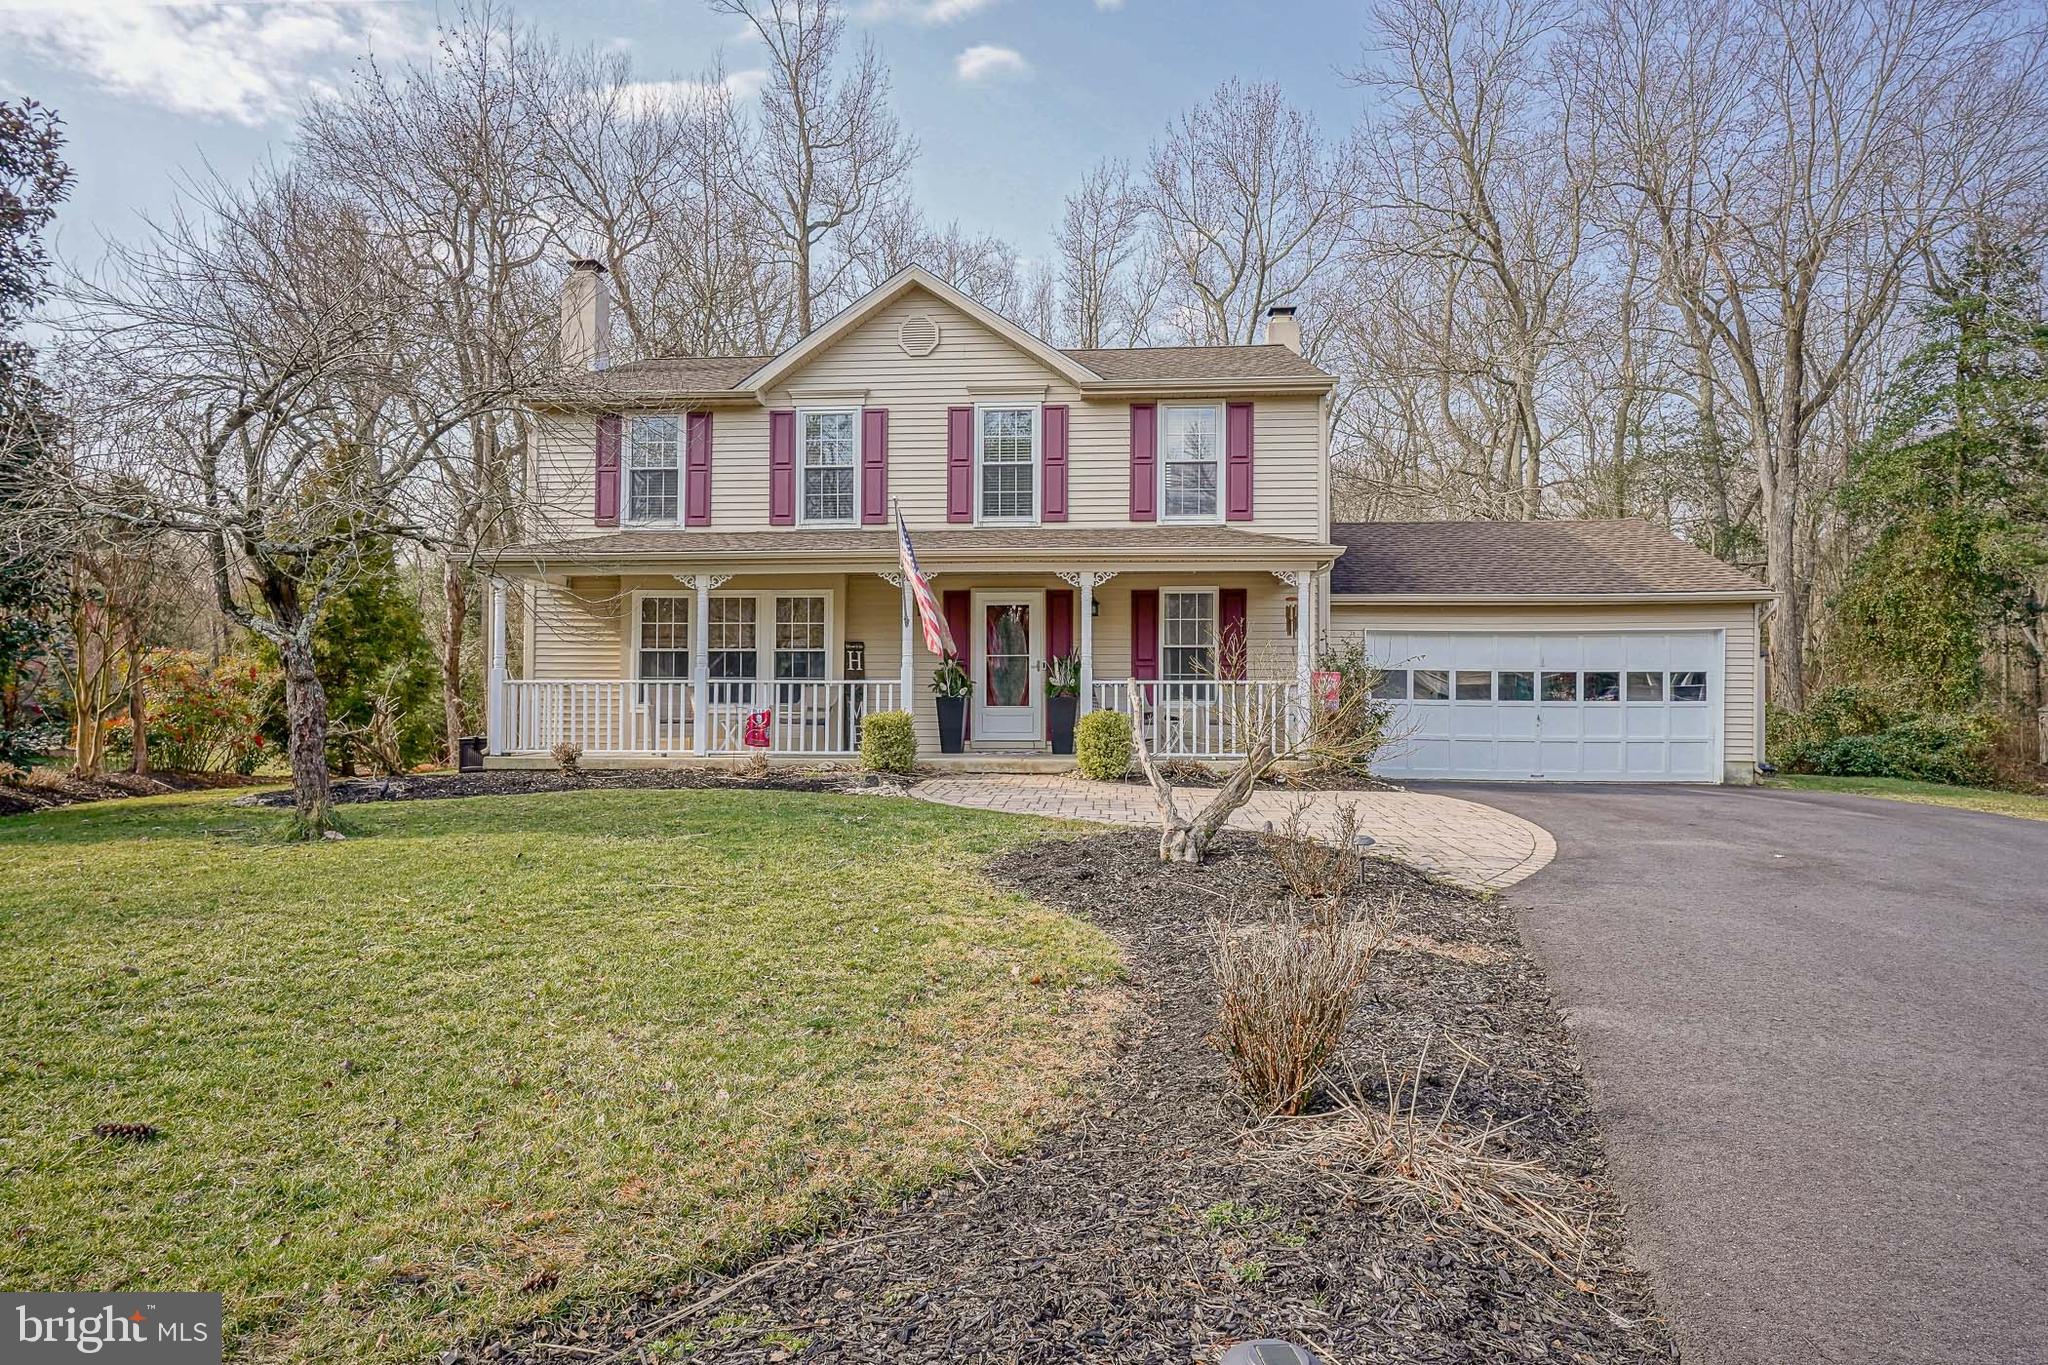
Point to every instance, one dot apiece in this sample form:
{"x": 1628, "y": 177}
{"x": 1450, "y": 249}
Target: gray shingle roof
{"x": 1143, "y": 363}
{"x": 665, "y": 376}
{"x": 932, "y": 544}
{"x": 1621, "y": 558}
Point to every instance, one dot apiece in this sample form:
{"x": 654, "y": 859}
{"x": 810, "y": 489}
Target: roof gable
{"x": 778, "y": 371}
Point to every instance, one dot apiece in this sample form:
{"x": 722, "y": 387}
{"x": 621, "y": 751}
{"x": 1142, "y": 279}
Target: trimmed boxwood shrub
{"x": 888, "y": 742}
{"x": 1102, "y": 745}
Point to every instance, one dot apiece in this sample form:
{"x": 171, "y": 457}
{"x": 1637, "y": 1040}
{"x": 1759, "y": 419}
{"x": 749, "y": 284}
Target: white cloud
{"x": 987, "y": 62}
{"x": 248, "y": 62}
{"x": 922, "y": 11}
{"x": 739, "y": 85}
{"x": 1109, "y": 4}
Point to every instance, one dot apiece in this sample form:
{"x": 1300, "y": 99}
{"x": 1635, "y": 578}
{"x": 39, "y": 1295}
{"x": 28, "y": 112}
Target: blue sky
{"x": 1010, "y": 100}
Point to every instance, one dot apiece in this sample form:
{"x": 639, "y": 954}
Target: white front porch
{"x": 717, "y": 666}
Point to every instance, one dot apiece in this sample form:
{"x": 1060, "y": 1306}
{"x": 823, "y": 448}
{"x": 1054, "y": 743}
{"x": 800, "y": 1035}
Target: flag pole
{"x": 906, "y": 671}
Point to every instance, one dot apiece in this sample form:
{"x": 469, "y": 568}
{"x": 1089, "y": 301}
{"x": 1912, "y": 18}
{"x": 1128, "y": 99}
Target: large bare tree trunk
{"x": 455, "y": 597}
{"x": 138, "y": 709}
{"x": 305, "y": 707}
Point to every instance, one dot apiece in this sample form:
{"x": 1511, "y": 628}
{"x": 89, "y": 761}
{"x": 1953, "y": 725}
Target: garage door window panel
{"x": 1475, "y": 685}
{"x": 1392, "y": 685}
{"x": 1515, "y": 686}
{"x": 1432, "y": 684}
{"x": 1688, "y": 687}
{"x": 1560, "y": 687}
{"x": 1603, "y": 687}
{"x": 1645, "y": 686}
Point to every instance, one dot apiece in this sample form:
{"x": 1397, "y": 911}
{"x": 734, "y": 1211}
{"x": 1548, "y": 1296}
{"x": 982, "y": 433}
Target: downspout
{"x": 1764, "y": 611}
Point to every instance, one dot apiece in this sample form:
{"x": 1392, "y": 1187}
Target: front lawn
{"x": 2020, "y": 804}
{"x": 498, "y": 1054}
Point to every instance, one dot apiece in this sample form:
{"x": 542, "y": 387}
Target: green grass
{"x": 615, "y": 1036}
{"x": 2019, "y": 804}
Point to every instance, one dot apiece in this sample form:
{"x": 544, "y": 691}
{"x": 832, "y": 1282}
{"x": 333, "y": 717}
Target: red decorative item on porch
{"x": 756, "y": 736}
{"x": 1328, "y": 689}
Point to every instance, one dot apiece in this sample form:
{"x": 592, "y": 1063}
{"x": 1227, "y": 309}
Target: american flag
{"x": 937, "y": 638}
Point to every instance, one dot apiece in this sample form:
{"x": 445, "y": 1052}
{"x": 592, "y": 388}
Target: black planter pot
{"x": 1062, "y": 710}
{"x": 952, "y": 723}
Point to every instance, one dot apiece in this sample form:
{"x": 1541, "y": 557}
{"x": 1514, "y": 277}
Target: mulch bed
{"x": 1157, "y": 1226}
{"x": 49, "y": 789}
{"x": 531, "y": 781}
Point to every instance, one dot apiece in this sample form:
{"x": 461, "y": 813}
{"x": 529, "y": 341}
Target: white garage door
{"x": 1621, "y": 706}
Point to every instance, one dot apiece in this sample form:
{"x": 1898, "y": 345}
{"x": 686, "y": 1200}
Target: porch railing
{"x": 1207, "y": 719}
{"x": 624, "y": 717}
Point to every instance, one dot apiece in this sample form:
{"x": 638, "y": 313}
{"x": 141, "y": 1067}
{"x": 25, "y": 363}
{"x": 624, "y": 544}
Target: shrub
{"x": 568, "y": 757}
{"x": 1867, "y": 732}
{"x": 204, "y": 715}
{"x": 1316, "y": 867}
{"x": 1102, "y": 745}
{"x": 888, "y": 742}
{"x": 1288, "y": 981}
{"x": 1349, "y": 736}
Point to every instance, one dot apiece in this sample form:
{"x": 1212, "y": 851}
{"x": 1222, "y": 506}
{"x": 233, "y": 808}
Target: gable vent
{"x": 918, "y": 335}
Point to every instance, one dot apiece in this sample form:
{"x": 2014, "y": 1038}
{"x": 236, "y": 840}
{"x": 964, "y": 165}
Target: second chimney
{"x": 586, "y": 317}
{"x": 1281, "y": 327}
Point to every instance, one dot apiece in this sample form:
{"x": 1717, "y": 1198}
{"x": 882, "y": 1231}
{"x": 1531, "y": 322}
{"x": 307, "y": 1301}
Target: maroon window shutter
{"x": 874, "y": 466}
{"x": 697, "y": 471}
{"x": 959, "y": 464}
{"x": 1237, "y": 472}
{"x": 782, "y": 468}
{"x": 608, "y": 469}
{"x": 959, "y": 608}
{"x": 1055, "y": 462}
{"x": 1059, "y": 634}
{"x": 1144, "y": 632}
{"x": 1144, "y": 462}
{"x": 1230, "y": 636}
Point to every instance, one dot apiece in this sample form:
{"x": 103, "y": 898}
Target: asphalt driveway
{"x": 1817, "y": 1027}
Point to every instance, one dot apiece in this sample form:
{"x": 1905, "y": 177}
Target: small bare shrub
{"x": 1316, "y": 868}
{"x": 753, "y": 769}
{"x": 1289, "y": 979}
{"x": 1432, "y": 1171}
{"x": 568, "y": 758}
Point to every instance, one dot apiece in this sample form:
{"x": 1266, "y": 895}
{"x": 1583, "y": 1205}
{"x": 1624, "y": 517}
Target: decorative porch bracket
{"x": 700, "y": 656}
{"x": 1086, "y": 582}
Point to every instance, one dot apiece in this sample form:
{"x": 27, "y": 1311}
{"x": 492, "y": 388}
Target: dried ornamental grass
{"x": 1288, "y": 980}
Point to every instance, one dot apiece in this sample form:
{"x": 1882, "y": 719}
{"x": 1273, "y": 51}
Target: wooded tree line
{"x": 1672, "y": 258}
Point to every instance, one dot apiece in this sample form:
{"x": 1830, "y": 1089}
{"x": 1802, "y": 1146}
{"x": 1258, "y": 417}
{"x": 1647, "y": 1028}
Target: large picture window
{"x": 831, "y": 467}
{"x": 664, "y": 645}
{"x": 799, "y": 637}
{"x": 653, "y": 474}
{"x": 1008, "y": 441}
{"x": 1187, "y": 636}
{"x": 1191, "y": 462}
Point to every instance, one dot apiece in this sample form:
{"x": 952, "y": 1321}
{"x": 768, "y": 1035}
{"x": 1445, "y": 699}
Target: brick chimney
{"x": 586, "y": 317}
{"x": 1281, "y": 327}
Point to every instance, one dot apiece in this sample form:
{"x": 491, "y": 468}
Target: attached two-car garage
{"x": 1556, "y": 651}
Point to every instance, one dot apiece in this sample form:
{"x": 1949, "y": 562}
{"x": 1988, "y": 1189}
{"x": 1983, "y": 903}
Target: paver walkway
{"x": 1459, "y": 841}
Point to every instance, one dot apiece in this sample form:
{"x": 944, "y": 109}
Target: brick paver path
{"x": 1460, "y": 841}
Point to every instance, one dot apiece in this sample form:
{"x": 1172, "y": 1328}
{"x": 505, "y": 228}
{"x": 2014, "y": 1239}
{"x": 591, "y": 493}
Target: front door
{"x": 1010, "y": 628}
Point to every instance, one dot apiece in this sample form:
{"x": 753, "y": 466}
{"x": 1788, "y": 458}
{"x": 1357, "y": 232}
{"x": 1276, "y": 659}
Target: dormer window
{"x": 829, "y": 442}
{"x": 1191, "y": 462}
{"x": 653, "y": 468}
{"x": 1006, "y": 456}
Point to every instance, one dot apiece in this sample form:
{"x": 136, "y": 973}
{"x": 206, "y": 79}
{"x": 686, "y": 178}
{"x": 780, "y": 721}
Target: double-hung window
{"x": 653, "y": 471}
{"x": 799, "y": 637}
{"x": 1187, "y": 636}
{"x": 830, "y": 458}
{"x": 664, "y": 644}
{"x": 1006, "y": 439}
{"x": 1191, "y": 462}
{"x": 732, "y": 657}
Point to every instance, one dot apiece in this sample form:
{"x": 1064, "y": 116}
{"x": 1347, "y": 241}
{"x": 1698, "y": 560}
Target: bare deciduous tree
{"x": 825, "y": 151}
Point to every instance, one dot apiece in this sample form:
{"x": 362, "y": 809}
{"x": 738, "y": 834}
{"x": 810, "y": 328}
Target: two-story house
{"x": 713, "y": 564}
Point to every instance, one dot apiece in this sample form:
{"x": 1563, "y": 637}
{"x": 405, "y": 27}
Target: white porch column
{"x": 907, "y": 669}
{"x": 494, "y": 694}
{"x": 1304, "y": 630}
{"x": 700, "y": 665}
{"x": 1086, "y": 583}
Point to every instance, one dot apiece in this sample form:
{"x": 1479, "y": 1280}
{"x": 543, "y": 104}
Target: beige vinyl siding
{"x": 973, "y": 365}
{"x": 1738, "y": 667}
{"x": 574, "y": 631}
